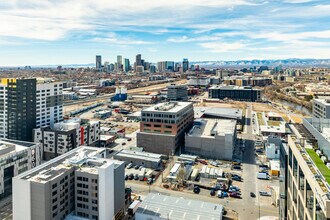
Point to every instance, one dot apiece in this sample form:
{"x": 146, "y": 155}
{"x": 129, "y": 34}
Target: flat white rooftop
{"x": 87, "y": 159}
{"x": 168, "y": 107}
{"x": 230, "y": 113}
{"x": 323, "y": 101}
{"x": 8, "y": 146}
{"x": 213, "y": 127}
{"x": 175, "y": 208}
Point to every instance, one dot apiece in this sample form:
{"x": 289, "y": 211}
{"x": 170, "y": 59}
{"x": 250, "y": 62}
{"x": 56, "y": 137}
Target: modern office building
{"x": 177, "y": 93}
{"x": 138, "y": 60}
{"x": 16, "y": 157}
{"x": 80, "y": 183}
{"x": 185, "y": 65}
{"x": 321, "y": 108}
{"x": 308, "y": 194}
{"x": 120, "y": 62}
{"x": 67, "y": 135}
{"x": 163, "y": 127}
{"x": 26, "y": 104}
{"x": 212, "y": 138}
{"x": 199, "y": 81}
{"x": 159, "y": 207}
{"x": 237, "y": 93}
{"x": 98, "y": 62}
{"x": 127, "y": 66}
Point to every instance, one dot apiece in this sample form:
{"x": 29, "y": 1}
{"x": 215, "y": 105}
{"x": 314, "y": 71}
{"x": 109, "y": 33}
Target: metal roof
{"x": 175, "y": 208}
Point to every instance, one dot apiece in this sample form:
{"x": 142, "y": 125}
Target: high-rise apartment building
{"x": 98, "y": 63}
{"x": 321, "y": 108}
{"x": 163, "y": 127}
{"x": 185, "y": 64}
{"x": 177, "y": 93}
{"x": 16, "y": 157}
{"x": 80, "y": 183}
{"x": 67, "y": 135}
{"x": 49, "y": 103}
{"x": 26, "y": 104}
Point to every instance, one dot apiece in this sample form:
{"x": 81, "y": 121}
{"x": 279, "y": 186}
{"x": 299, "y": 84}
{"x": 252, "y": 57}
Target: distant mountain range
{"x": 294, "y": 62}
{"x": 285, "y": 63}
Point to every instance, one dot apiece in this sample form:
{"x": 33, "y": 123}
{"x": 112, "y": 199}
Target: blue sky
{"x": 35, "y": 32}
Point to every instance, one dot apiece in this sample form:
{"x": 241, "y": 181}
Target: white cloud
{"x": 218, "y": 47}
{"x": 53, "y": 20}
{"x": 185, "y": 39}
{"x": 113, "y": 38}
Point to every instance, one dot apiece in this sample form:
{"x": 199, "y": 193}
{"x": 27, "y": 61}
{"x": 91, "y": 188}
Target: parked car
{"x": 126, "y": 177}
{"x": 131, "y": 176}
{"x": 136, "y": 177}
{"x": 214, "y": 164}
{"x": 197, "y": 189}
{"x": 136, "y": 167}
{"x": 236, "y": 167}
{"x": 129, "y": 166}
{"x": 264, "y": 193}
{"x": 212, "y": 192}
{"x": 220, "y": 194}
{"x": 224, "y": 194}
{"x": 253, "y": 195}
{"x": 202, "y": 162}
{"x": 235, "y": 195}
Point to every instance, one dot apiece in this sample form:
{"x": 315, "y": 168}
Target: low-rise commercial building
{"x": 81, "y": 182}
{"x": 158, "y": 207}
{"x": 246, "y": 93}
{"x": 16, "y": 157}
{"x": 212, "y": 138}
{"x": 145, "y": 159}
{"x": 67, "y": 135}
{"x": 163, "y": 127}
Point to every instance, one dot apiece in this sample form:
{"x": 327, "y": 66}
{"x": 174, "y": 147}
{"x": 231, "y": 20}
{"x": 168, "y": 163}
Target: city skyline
{"x": 36, "y": 32}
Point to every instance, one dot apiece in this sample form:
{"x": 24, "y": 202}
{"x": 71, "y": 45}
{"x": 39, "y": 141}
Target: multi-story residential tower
{"x": 177, "y": 93}
{"x": 16, "y": 157}
{"x": 98, "y": 62}
{"x": 321, "y": 108}
{"x": 80, "y": 183}
{"x": 67, "y": 135}
{"x": 308, "y": 195}
{"x": 49, "y": 103}
{"x": 163, "y": 127}
{"x": 26, "y": 104}
{"x": 18, "y": 108}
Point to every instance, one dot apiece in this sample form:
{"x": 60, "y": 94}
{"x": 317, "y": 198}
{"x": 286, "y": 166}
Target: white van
{"x": 263, "y": 176}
